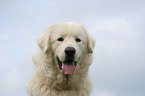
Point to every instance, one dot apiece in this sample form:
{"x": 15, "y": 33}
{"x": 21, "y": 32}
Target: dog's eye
{"x": 78, "y": 40}
{"x": 60, "y": 39}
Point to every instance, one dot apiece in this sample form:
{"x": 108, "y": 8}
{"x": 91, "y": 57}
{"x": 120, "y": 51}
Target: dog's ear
{"x": 44, "y": 40}
{"x": 90, "y": 41}
{"x": 91, "y": 44}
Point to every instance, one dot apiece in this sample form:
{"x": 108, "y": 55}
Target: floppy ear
{"x": 90, "y": 41}
{"x": 91, "y": 44}
{"x": 43, "y": 41}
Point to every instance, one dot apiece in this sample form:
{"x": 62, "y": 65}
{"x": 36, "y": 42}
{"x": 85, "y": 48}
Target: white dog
{"x": 62, "y": 62}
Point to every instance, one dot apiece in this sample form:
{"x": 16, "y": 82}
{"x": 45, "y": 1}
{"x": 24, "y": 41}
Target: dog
{"x": 62, "y": 62}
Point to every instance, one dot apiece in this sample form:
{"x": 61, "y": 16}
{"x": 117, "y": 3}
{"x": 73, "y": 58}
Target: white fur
{"x": 48, "y": 80}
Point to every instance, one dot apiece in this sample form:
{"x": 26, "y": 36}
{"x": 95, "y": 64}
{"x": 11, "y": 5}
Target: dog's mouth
{"x": 68, "y": 66}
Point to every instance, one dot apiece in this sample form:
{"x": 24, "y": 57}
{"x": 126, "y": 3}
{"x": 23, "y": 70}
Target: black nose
{"x": 70, "y": 51}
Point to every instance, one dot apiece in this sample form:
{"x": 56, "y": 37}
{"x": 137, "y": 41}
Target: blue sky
{"x": 117, "y": 26}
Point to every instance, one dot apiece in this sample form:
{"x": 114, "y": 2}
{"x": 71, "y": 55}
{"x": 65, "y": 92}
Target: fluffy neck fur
{"x": 49, "y": 81}
{"x": 55, "y": 79}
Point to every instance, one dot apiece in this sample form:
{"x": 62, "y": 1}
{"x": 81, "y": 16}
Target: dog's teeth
{"x": 75, "y": 64}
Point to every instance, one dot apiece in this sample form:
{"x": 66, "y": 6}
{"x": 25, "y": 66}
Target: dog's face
{"x": 68, "y": 42}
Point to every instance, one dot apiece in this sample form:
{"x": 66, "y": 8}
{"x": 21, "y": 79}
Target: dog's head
{"x": 68, "y": 42}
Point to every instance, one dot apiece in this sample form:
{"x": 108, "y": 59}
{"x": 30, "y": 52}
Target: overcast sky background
{"x": 118, "y": 26}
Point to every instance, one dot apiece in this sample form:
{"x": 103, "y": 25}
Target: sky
{"x": 118, "y": 68}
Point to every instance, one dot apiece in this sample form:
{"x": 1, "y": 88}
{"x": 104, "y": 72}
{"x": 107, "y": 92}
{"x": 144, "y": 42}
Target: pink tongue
{"x": 68, "y": 68}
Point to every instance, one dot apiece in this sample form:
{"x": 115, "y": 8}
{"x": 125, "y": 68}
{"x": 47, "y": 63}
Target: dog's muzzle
{"x": 69, "y": 64}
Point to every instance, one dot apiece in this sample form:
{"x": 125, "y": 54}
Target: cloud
{"x": 118, "y": 58}
{"x": 11, "y": 83}
{"x": 15, "y": 78}
{"x": 4, "y": 36}
{"x": 12, "y": 79}
{"x": 105, "y": 93}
